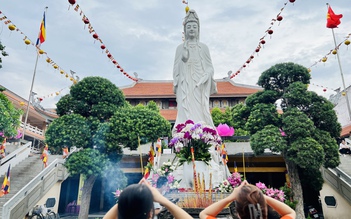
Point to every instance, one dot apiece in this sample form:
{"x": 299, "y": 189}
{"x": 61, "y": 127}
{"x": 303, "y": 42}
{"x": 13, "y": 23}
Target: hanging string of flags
{"x": 27, "y": 41}
{"x": 262, "y": 40}
{"x": 92, "y": 31}
{"x": 56, "y": 93}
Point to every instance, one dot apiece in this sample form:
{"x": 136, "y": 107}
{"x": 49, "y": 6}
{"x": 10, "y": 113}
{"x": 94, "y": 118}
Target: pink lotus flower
{"x": 225, "y": 130}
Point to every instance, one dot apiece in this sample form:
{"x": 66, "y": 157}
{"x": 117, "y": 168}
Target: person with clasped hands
{"x": 137, "y": 202}
{"x": 193, "y": 72}
{"x": 244, "y": 196}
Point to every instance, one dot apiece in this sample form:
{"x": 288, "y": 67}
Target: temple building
{"x": 161, "y": 92}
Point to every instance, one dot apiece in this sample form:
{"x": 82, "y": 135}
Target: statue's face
{"x": 192, "y": 30}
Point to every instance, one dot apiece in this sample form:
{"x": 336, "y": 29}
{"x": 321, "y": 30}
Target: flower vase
{"x": 188, "y": 174}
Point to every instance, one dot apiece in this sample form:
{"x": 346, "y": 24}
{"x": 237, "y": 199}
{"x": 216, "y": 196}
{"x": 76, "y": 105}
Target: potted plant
{"x": 198, "y": 136}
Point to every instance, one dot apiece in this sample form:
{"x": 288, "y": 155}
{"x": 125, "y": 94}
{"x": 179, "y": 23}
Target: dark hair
{"x": 250, "y": 194}
{"x": 135, "y": 202}
{"x": 161, "y": 181}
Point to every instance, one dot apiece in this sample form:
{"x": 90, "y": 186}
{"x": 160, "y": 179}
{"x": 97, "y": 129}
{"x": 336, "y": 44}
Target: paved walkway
{"x": 345, "y": 164}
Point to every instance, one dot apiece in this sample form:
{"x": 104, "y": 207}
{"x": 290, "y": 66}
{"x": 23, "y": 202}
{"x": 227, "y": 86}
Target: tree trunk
{"x": 296, "y": 188}
{"x": 86, "y": 196}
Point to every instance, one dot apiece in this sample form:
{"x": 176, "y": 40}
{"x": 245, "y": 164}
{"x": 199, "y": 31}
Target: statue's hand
{"x": 185, "y": 55}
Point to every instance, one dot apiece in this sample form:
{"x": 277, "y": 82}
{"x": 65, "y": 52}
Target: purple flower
{"x": 173, "y": 141}
{"x": 261, "y": 185}
{"x": 189, "y": 122}
{"x": 170, "y": 178}
{"x": 179, "y": 127}
{"x": 187, "y": 135}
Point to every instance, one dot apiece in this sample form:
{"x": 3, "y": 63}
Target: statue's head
{"x": 191, "y": 25}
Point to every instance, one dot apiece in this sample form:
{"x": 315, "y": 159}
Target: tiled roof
{"x": 346, "y": 130}
{"x": 169, "y": 114}
{"x": 164, "y": 89}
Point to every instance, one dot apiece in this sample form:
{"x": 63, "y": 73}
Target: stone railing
{"x": 15, "y": 157}
{"x": 33, "y": 129}
{"x": 339, "y": 181}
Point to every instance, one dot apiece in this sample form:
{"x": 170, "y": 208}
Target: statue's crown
{"x": 191, "y": 16}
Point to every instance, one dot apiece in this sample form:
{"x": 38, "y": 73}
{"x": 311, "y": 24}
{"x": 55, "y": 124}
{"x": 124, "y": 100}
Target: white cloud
{"x": 143, "y": 35}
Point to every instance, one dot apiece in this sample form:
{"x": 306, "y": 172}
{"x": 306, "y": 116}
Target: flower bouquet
{"x": 166, "y": 170}
{"x": 194, "y": 136}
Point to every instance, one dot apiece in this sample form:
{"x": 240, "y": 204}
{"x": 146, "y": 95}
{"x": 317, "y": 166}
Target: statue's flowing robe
{"x": 193, "y": 84}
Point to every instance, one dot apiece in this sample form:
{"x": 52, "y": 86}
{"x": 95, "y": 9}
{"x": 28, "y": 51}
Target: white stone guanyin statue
{"x": 193, "y": 84}
{"x": 193, "y": 72}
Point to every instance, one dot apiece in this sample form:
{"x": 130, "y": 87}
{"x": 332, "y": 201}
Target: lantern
{"x": 347, "y": 42}
{"x": 48, "y": 60}
{"x": 95, "y": 36}
{"x": 121, "y": 70}
{"x": 309, "y": 70}
{"x": 102, "y": 46}
{"x": 324, "y": 89}
{"x": 251, "y": 57}
{"x": 334, "y": 52}
{"x": 57, "y": 93}
{"x": 40, "y": 99}
{"x": 109, "y": 55}
{"x": 22, "y": 103}
{"x": 114, "y": 62}
{"x": 118, "y": 66}
{"x": 248, "y": 61}
{"x": 86, "y": 20}
{"x": 270, "y": 32}
{"x": 263, "y": 41}
{"x": 244, "y": 66}
{"x": 292, "y": 1}
{"x": 324, "y": 59}
{"x": 343, "y": 93}
{"x": 66, "y": 75}
{"x": 72, "y": 2}
{"x": 71, "y": 79}
{"x": 187, "y": 9}
{"x": 62, "y": 71}
{"x": 279, "y": 18}
{"x": 41, "y": 51}
{"x": 257, "y": 49}
{"x": 12, "y": 27}
{"x": 27, "y": 41}
{"x": 55, "y": 66}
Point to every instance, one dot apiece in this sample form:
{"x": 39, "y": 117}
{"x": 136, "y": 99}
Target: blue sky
{"x": 143, "y": 35}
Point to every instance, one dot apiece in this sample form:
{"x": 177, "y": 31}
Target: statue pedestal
{"x": 188, "y": 174}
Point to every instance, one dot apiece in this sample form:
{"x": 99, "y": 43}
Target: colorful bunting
{"x": 41, "y": 39}
{"x": 92, "y": 31}
{"x": 262, "y": 41}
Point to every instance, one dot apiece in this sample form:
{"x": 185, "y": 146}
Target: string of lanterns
{"x": 92, "y": 31}
{"x": 262, "y": 40}
{"x": 27, "y": 41}
{"x": 334, "y": 51}
{"x": 56, "y": 93}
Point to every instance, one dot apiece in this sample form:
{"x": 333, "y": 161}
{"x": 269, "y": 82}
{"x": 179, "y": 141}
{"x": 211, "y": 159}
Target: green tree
{"x": 218, "y": 117}
{"x": 3, "y": 53}
{"x": 83, "y": 114}
{"x": 129, "y": 123}
{"x": 10, "y": 117}
{"x": 308, "y": 121}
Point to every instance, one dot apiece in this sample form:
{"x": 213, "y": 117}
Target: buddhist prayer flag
{"x": 235, "y": 168}
{"x": 151, "y": 155}
{"x": 147, "y": 173}
{"x": 42, "y": 32}
{"x": 333, "y": 20}
{"x": 5, "y": 188}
